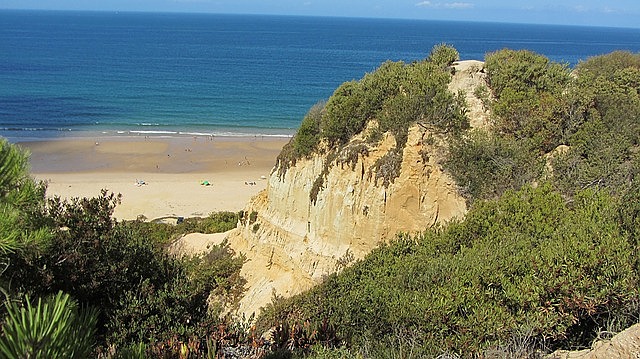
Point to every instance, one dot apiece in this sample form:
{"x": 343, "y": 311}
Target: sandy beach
{"x": 173, "y": 171}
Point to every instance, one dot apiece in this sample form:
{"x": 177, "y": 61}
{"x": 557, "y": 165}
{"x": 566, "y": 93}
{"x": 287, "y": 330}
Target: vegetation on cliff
{"x": 396, "y": 96}
{"x": 529, "y": 265}
{"x": 584, "y": 123}
{"x": 547, "y": 256}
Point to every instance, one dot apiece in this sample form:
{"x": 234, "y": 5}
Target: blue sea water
{"x": 82, "y": 73}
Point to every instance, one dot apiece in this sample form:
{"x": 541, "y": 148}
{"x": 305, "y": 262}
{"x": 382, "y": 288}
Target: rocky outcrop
{"x": 471, "y": 78}
{"x": 292, "y": 242}
{"x": 624, "y": 345}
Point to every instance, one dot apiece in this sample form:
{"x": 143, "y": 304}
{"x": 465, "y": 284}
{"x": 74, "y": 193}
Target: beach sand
{"x": 172, "y": 169}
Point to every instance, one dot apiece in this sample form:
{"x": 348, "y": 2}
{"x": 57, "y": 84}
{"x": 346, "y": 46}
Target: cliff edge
{"x": 292, "y": 241}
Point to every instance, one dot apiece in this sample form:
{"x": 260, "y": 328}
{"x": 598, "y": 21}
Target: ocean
{"x": 68, "y": 74}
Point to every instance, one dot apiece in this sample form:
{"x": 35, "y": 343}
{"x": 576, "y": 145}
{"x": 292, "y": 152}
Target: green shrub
{"x": 602, "y": 126}
{"x": 123, "y": 269}
{"x": 609, "y": 65}
{"x": 343, "y": 117}
{"x": 150, "y": 314}
{"x": 443, "y": 55}
{"x": 523, "y": 70}
{"x": 528, "y": 262}
{"x": 597, "y": 158}
{"x": 485, "y": 166}
{"x": 51, "y": 328}
{"x": 528, "y": 89}
{"x": 308, "y": 135}
{"x": 396, "y": 95}
{"x": 165, "y": 233}
{"x": 21, "y": 202}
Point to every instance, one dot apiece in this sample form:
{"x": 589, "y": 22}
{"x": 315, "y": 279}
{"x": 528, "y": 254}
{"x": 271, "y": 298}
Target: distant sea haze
{"x": 89, "y": 73}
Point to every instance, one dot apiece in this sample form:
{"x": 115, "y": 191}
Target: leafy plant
{"x": 50, "y": 328}
{"x": 21, "y": 201}
{"x": 443, "y": 55}
{"x": 528, "y": 262}
{"x": 396, "y": 96}
{"x": 486, "y": 165}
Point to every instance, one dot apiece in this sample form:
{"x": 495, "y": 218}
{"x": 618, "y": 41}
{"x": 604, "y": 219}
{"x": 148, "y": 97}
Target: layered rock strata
{"x": 292, "y": 240}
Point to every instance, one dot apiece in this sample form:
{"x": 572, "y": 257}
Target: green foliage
{"x": 308, "y": 135}
{"x": 396, "y": 95}
{"x": 253, "y": 217}
{"x": 609, "y": 65}
{"x": 482, "y": 92}
{"x": 14, "y": 167}
{"x": 344, "y": 116}
{"x": 179, "y": 307}
{"x": 144, "y": 294}
{"x": 528, "y": 90}
{"x": 539, "y": 106}
{"x": 51, "y": 328}
{"x": 421, "y": 95}
{"x": 630, "y": 212}
{"x": 151, "y": 314}
{"x": 21, "y": 201}
{"x": 217, "y": 273}
{"x": 525, "y": 263}
{"x": 597, "y": 158}
{"x": 306, "y": 140}
{"x": 485, "y": 166}
{"x": 523, "y": 70}
{"x": 374, "y": 136}
{"x": 165, "y": 233}
{"x": 217, "y": 222}
{"x": 443, "y": 55}
{"x": 603, "y": 126}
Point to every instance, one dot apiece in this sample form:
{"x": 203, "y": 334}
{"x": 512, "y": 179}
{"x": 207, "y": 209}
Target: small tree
{"x": 443, "y": 55}
{"x": 20, "y": 196}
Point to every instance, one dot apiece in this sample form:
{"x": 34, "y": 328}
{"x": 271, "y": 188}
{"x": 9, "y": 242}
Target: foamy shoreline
{"x": 173, "y": 170}
{"x": 21, "y": 135}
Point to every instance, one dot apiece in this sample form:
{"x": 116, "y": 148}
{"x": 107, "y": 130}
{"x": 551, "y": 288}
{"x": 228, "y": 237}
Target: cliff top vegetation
{"x": 547, "y": 256}
{"x": 396, "y": 96}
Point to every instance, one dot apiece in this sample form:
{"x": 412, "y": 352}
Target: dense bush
{"x": 308, "y": 135}
{"x": 485, "y": 165}
{"x": 523, "y": 70}
{"x": 603, "y": 125}
{"x": 443, "y": 55}
{"x": 164, "y": 233}
{"x": 21, "y": 202}
{"x": 538, "y": 106}
{"x": 553, "y": 263}
{"x": 135, "y": 283}
{"x": 610, "y": 65}
{"x": 396, "y": 96}
{"x": 145, "y": 296}
{"x": 344, "y": 114}
{"x": 528, "y": 90}
{"x": 527, "y": 263}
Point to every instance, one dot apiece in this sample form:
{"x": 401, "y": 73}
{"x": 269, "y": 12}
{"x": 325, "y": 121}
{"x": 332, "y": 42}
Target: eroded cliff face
{"x": 292, "y": 242}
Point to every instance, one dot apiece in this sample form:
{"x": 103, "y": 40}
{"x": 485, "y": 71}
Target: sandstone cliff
{"x": 291, "y": 242}
{"x": 624, "y": 345}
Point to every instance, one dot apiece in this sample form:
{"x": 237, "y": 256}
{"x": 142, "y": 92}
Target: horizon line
{"x": 313, "y": 16}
